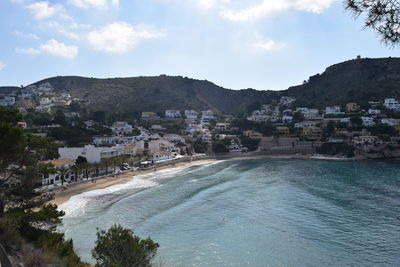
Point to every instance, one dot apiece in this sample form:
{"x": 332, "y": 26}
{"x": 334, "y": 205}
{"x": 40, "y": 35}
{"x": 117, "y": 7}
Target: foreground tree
{"x": 119, "y": 247}
{"x": 25, "y": 223}
{"x": 383, "y": 16}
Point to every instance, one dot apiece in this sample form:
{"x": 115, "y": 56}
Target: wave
{"x": 75, "y": 206}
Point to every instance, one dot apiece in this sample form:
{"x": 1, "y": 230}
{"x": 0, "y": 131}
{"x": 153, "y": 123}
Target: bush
{"x": 119, "y": 247}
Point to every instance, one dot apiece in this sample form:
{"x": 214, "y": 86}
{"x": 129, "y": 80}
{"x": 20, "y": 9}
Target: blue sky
{"x": 261, "y": 44}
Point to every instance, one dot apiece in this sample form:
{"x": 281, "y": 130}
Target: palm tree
{"x": 63, "y": 171}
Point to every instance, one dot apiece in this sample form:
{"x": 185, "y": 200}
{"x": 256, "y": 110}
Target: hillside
{"x": 358, "y": 80}
{"x": 158, "y": 93}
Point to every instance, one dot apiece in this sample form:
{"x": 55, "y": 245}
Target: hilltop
{"x": 358, "y": 80}
{"x": 157, "y": 93}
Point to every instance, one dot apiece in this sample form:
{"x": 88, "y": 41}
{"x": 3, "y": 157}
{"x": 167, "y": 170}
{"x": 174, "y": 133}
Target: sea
{"x": 252, "y": 212}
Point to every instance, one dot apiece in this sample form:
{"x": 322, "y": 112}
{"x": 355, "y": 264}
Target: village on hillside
{"x": 91, "y": 143}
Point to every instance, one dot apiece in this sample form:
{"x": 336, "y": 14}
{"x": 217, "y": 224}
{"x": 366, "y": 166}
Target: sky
{"x": 237, "y": 44}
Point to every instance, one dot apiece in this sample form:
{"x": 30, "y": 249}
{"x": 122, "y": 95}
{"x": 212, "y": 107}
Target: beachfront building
{"x": 90, "y": 152}
{"x": 55, "y": 178}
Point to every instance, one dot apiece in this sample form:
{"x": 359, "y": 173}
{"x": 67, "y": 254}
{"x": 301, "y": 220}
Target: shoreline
{"x": 62, "y": 195}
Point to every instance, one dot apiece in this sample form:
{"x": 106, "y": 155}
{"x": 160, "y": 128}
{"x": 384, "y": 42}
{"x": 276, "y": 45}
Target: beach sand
{"x": 63, "y": 195}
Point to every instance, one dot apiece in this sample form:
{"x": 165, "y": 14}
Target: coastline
{"x": 62, "y": 195}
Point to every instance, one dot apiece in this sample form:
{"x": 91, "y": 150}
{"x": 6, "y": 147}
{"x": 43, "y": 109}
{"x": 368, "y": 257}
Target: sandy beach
{"x": 63, "y": 195}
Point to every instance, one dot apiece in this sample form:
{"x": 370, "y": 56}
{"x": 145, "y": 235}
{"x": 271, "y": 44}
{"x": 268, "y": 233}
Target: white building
{"x": 121, "y": 128}
{"x": 172, "y": 114}
{"x": 174, "y": 138}
{"x": 222, "y": 126}
{"x": 191, "y": 114}
{"x": 91, "y": 153}
{"x": 309, "y": 114}
{"x": 368, "y": 121}
{"x": 374, "y": 111}
{"x": 55, "y": 178}
{"x": 305, "y": 124}
{"x": 335, "y": 110}
{"x": 287, "y": 119}
{"x": 392, "y": 104}
{"x": 207, "y": 114}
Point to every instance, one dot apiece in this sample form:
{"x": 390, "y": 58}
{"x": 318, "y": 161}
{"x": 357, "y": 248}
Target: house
{"x": 335, "y": 110}
{"x": 160, "y": 156}
{"x": 121, "y": 128}
{"x": 157, "y": 128}
{"x": 287, "y": 119}
{"x": 89, "y": 124}
{"x": 282, "y": 131}
{"x": 352, "y": 107}
{"x": 374, "y": 111}
{"x": 304, "y": 124}
{"x": 392, "y": 104}
{"x": 312, "y": 132}
{"x": 191, "y": 114}
{"x": 45, "y": 87}
{"x": 207, "y": 114}
{"x": 172, "y": 114}
{"x": 287, "y": 111}
{"x": 309, "y": 114}
{"x": 252, "y": 134}
{"x": 368, "y": 121}
{"x": 222, "y": 126}
{"x": 174, "y": 138}
{"x": 23, "y": 124}
{"x": 55, "y": 178}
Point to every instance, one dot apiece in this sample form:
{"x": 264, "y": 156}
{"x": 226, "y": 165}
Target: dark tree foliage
{"x": 81, "y": 160}
{"x": 119, "y": 247}
{"x": 250, "y": 143}
{"x": 383, "y": 16}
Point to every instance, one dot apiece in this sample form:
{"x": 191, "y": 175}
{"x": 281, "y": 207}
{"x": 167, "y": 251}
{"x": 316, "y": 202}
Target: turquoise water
{"x": 260, "y": 212}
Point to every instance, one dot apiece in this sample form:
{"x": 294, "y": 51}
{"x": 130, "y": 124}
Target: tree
{"x": 298, "y": 117}
{"x": 383, "y": 16}
{"x": 119, "y": 247}
{"x": 80, "y": 160}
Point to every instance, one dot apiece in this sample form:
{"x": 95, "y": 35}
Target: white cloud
{"x": 63, "y": 29}
{"x": 2, "y": 65}
{"x": 270, "y": 45}
{"x": 26, "y": 35}
{"x": 43, "y": 10}
{"x": 119, "y": 37}
{"x": 28, "y": 51}
{"x": 57, "y": 48}
{"x": 211, "y": 3}
{"x": 94, "y": 3}
{"x": 271, "y": 7}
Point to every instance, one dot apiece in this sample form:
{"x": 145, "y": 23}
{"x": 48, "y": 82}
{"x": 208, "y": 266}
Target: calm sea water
{"x": 260, "y": 212}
